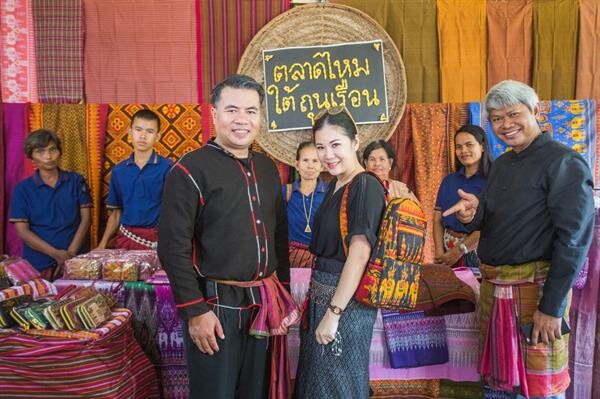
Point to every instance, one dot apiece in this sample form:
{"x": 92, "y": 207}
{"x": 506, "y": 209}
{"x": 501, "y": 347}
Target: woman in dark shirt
{"x": 453, "y": 245}
{"x": 334, "y": 349}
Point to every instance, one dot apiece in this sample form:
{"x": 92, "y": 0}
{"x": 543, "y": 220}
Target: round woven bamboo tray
{"x": 323, "y": 24}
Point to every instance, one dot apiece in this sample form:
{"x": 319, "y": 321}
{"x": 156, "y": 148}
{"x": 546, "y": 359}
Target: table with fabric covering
{"x": 104, "y": 363}
{"x": 160, "y": 332}
{"x": 156, "y": 326}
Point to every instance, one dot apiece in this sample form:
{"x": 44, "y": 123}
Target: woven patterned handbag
{"x": 392, "y": 276}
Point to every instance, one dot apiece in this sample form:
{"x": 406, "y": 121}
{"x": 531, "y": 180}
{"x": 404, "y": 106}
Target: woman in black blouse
{"x": 334, "y": 351}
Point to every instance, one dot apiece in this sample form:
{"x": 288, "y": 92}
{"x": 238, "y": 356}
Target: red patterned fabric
{"x": 152, "y": 61}
{"x": 402, "y": 143}
{"x": 18, "y": 75}
{"x": 59, "y": 50}
{"x": 16, "y": 127}
{"x": 433, "y": 127}
{"x": 96, "y": 116}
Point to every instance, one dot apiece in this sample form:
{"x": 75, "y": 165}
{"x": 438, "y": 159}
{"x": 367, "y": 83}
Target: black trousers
{"x": 238, "y": 371}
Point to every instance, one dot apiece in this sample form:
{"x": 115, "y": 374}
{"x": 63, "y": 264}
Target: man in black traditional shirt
{"x": 536, "y": 221}
{"x": 223, "y": 242}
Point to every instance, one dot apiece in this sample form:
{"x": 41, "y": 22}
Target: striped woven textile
{"x": 433, "y": 127}
{"x": 507, "y": 362}
{"x": 413, "y": 389}
{"x": 153, "y": 61}
{"x": 412, "y": 26}
{"x": 510, "y": 36}
{"x": 37, "y": 288}
{"x": 112, "y": 366}
{"x": 225, "y": 28}
{"x": 584, "y": 344}
{"x": 96, "y": 117}
{"x": 461, "y": 390}
{"x": 402, "y": 143}
{"x": 14, "y": 126}
{"x": 2, "y": 192}
{"x": 463, "y": 49}
{"x": 555, "y": 25}
{"x": 59, "y": 50}
{"x": 18, "y": 75}
{"x": 588, "y": 60}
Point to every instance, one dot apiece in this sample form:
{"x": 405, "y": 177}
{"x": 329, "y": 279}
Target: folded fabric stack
{"x": 23, "y": 303}
{"x": 76, "y": 308}
{"x": 113, "y": 265}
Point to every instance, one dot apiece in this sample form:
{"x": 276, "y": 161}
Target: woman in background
{"x": 453, "y": 246}
{"x": 379, "y": 158}
{"x": 303, "y": 198}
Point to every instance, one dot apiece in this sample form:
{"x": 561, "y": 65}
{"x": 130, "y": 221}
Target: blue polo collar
{"x": 461, "y": 172}
{"x": 37, "y": 179}
{"x": 153, "y": 159}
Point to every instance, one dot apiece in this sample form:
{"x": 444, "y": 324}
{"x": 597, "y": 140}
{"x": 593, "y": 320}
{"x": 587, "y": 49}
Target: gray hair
{"x": 508, "y": 93}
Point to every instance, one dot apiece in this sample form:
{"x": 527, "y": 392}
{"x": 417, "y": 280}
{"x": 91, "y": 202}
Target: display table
{"x": 156, "y": 326}
{"x": 56, "y": 364}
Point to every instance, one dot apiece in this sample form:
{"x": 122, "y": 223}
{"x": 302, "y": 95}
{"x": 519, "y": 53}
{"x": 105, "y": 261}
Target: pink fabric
{"x": 17, "y": 59}
{"x": 19, "y": 271}
{"x": 503, "y": 331}
{"x": 149, "y": 62}
{"x": 37, "y": 288}
{"x": 15, "y": 130}
{"x": 584, "y": 342}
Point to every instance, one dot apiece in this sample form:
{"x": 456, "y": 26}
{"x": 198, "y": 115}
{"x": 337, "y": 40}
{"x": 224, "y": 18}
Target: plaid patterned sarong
{"x": 59, "y": 34}
{"x": 509, "y": 298}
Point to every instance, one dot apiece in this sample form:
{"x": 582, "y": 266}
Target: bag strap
{"x": 344, "y": 207}
{"x": 288, "y": 192}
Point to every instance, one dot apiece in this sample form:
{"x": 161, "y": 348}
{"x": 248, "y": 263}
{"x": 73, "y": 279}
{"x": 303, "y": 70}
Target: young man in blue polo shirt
{"x": 51, "y": 209}
{"x": 135, "y": 190}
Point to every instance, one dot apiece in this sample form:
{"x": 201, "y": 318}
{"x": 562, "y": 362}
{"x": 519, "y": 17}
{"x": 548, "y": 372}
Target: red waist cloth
{"x": 277, "y": 312}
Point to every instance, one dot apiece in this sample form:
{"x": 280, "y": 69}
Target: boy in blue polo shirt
{"x": 51, "y": 209}
{"x": 135, "y": 189}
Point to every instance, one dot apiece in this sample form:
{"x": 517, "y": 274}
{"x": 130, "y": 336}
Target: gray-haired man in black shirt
{"x": 536, "y": 220}
{"x": 223, "y": 242}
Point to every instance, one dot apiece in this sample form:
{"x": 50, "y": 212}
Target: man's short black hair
{"x": 41, "y": 138}
{"x": 147, "y": 115}
{"x": 237, "y": 81}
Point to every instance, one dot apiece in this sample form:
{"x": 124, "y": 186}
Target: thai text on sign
{"x": 301, "y": 81}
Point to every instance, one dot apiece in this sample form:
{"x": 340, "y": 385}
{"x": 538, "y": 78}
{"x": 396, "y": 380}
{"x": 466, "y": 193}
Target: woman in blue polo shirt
{"x": 51, "y": 209}
{"x": 303, "y": 197}
{"x": 453, "y": 245}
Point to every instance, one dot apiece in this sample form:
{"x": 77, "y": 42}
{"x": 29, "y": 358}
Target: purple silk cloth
{"x": 15, "y": 129}
{"x": 172, "y": 365}
{"x": 414, "y": 339}
{"x": 589, "y": 305}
